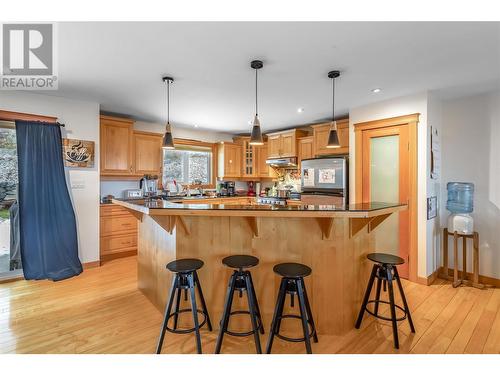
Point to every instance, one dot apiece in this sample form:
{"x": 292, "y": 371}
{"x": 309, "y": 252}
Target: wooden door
{"x": 116, "y": 147}
{"x": 385, "y": 177}
{"x": 147, "y": 153}
{"x": 288, "y": 144}
{"x": 274, "y": 146}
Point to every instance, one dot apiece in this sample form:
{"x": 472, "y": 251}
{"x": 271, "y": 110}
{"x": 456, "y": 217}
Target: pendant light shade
{"x": 256, "y": 136}
{"x": 168, "y": 140}
{"x": 333, "y": 137}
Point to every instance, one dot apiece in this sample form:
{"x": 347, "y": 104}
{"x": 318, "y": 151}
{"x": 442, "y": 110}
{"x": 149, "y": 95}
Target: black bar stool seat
{"x": 385, "y": 271}
{"x": 185, "y": 265}
{"x": 292, "y": 283}
{"x": 241, "y": 280}
{"x": 185, "y": 278}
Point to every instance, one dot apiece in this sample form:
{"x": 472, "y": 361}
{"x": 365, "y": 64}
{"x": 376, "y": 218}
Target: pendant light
{"x": 333, "y": 137}
{"x": 168, "y": 140}
{"x": 256, "y": 137}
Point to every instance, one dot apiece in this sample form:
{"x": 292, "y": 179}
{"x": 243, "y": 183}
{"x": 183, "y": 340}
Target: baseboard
{"x": 88, "y": 265}
{"x": 429, "y": 280}
{"x": 124, "y": 254}
{"x": 486, "y": 280}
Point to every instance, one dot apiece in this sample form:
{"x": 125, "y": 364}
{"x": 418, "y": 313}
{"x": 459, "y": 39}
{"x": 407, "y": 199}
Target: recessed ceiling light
{"x": 300, "y": 110}
{"x": 196, "y": 126}
{"x": 377, "y": 90}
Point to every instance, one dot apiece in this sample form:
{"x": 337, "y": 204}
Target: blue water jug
{"x": 460, "y": 197}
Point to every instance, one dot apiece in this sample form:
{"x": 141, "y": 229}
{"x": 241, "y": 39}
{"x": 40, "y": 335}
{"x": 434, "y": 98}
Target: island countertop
{"x": 168, "y": 208}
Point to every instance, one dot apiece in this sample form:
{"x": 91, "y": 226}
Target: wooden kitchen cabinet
{"x": 126, "y": 152}
{"x": 229, "y": 160}
{"x": 118, "y": 232}
{"x": 283, "y": 144}
{"x": 320, "y": 134}
{"x": 263, "y": 169}
{"x": 148, "y": 155}
{"x": 248, "y": 157}
{"x": 306, "y": 149}
{"x": 116, "y": 146}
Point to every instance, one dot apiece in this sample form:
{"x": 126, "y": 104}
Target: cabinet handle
{"x": 230, "y": 161}
{"x": 126, "y": 224}
{"x": 125, "y": 242}
{"x": 130, "y": 168}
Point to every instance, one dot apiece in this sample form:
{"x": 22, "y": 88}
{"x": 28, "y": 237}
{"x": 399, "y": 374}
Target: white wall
{"x": 118, "y": 187}
{"x": 392, "y": 108}
{"x": 471, "y": 153}
{"x": 82, "y": 122}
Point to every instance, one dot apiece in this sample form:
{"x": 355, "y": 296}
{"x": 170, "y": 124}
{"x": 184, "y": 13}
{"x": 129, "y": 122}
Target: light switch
{"x": 78, "y": 184}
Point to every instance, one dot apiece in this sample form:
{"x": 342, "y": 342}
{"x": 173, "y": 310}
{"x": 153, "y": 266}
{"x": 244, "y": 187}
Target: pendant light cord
{"x": 168, "y": 102}
{"x": 256, "y": 104}
{"x": 333, "y": 99}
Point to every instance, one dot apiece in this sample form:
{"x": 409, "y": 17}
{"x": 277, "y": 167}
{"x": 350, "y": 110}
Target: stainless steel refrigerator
{"x": 325, "y": 181}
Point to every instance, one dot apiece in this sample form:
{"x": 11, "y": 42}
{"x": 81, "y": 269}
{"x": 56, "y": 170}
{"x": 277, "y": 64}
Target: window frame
{"x": 192, "y": 142}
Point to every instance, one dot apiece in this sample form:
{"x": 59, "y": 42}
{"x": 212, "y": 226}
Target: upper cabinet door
{"x": 288, "y": 144}
{"x": 306, "y": 148}
{"x": 116, "y": 146}
{"x": 147, "y": 153}
{"x": 274, "y": 146}
{"x": 263, "y": 170}
{"x": 229, "y": 160}
{"x": 321, "y": 133}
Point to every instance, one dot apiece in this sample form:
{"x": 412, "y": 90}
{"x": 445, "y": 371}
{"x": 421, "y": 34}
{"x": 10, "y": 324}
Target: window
{"x": 188, "y": 164}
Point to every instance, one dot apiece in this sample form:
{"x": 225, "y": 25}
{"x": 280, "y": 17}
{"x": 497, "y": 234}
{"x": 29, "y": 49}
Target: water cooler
{"x": 460, "y": 204}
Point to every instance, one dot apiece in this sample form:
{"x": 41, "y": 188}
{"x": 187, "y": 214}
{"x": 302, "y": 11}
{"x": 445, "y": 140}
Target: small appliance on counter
{"x": 132, "y": 194}
{"x": 251, "y": 191}
{"x": 227, "y": 189}
{"x": 325, "y": 181}
{"x": 107, "y": 199}
{"x": 460, "y": 203}
{"x": 149, "y": 185}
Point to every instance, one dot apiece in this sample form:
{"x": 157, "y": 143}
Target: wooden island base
{"x": 335, "y": 248}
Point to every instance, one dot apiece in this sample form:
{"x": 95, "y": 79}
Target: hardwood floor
{"x": 101, "y": 311}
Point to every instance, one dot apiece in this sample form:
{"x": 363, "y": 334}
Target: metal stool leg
{"x": 279, "y": 305}
{"x": 282, "y": 306}
{"x": 202, "y": 300}
{"x": 393, "y": 307}
{"x": 367, "y": 296}
{"x": 257, "y": 309}
{"x": 167, "y": 313}
{"x": 377, "y": 295}
{"x": 303, "y": 314}
{"x": 309, "y": 313}
{"x": 177, "y": 305}
{"x": 405, "y": 304}
{"x": 225, "y": 314}
{"x": 252, "y": 309}
{"x": 195, "y": 312}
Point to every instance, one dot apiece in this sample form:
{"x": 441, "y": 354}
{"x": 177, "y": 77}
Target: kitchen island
{"x": 333, "y": 241}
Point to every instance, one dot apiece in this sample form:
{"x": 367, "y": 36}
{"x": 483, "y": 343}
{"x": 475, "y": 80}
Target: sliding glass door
{"x": 10, "y": 257}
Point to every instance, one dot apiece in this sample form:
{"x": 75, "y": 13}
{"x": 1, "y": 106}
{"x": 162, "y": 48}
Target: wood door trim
{"x": 412, "y": 121}
{"x": 13, "y": 116}
{"x": 382, "y": 123}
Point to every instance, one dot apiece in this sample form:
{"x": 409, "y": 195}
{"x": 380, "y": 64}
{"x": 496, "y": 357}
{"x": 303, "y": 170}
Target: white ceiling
{"x": 120, "y": 65}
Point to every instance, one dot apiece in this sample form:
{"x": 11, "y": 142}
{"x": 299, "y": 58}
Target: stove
{"x": 274, "y": 201}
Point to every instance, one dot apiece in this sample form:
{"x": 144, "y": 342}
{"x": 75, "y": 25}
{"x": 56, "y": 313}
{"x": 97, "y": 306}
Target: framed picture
{"x": 78, "y": 153}
{"x": 431, "y": 207}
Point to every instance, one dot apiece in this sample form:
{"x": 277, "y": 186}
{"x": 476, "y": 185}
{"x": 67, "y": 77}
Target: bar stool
{"x": 185, "y": 278}
{"x": 241, "y": 281}
{"x": 385, "y": 270}
{"x": 292, "y": 283}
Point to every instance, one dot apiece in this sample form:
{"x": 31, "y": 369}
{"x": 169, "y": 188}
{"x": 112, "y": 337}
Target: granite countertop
{"x": 160, "y": 207}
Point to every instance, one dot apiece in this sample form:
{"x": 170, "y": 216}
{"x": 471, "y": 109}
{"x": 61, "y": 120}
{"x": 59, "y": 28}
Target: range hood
{"x": 283, "y": 163}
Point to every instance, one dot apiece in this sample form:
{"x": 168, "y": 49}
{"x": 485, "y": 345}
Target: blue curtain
{"x": 47, "y": 225}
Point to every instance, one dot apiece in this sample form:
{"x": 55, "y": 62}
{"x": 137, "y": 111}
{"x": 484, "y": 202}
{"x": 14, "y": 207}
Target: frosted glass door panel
{"x": 384, "y": 187}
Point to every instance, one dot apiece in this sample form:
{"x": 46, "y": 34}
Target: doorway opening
{"x": 10, "y": 256}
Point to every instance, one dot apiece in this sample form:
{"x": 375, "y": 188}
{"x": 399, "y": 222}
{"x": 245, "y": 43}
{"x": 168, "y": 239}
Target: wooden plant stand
{"x": 475, "y": 263}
